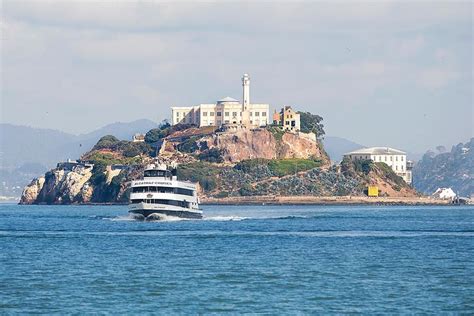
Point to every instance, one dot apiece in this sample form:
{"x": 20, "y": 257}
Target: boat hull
{"x": 157, "y": 211}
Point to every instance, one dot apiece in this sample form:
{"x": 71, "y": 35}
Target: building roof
{"x": 377, "y": 151}
{"x": 227, "y": 99}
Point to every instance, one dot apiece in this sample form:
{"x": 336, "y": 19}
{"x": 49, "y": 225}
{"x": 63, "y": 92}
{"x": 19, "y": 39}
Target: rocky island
{"x": 230, "y": 163}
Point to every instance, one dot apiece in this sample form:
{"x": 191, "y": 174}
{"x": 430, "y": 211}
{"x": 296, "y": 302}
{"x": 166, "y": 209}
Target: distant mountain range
{"x": 23, "y": 144}
{"x": 454, "y": 169}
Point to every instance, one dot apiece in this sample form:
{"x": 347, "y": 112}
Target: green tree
{"x": 153, "y": 135}
{"x": 311, "y": 123}
{"x": 107, "y": 141}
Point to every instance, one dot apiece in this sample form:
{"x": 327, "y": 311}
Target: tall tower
{"x": 246, "y": 100}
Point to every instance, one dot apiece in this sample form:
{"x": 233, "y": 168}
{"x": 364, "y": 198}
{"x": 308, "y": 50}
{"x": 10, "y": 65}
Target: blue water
{"x": 252, "y": 259}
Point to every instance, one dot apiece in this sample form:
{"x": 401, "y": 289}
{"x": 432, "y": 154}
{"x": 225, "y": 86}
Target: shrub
{"x": 363, "y": 165}
{"x": 156, "y": 134}
{"x": 189, "y": 145}
{"x": 283, "y": 167}
{"x": 107, "y": 141}
{"x": 250, "y": 165}
{"x": 211, "y": 155}
{"x": 246, "y": 190}
{"x": 201, "y": 172}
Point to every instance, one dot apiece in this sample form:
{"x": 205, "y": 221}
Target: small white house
{"x": 444, "y": 193}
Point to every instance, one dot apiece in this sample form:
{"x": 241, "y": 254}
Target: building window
{"x": 257, "y": 113}
{"x": 177, "y": 120}
{"x": 219, "y": 113}
{"x": 396, "y": 158}
{"x": 264, "y": 113}
{"x": 401, "y": 158}
{"x": 391, "y": 158}
{"x": 234, "y": 114}
{"x": 226, "y": 122}
{"x": 211, "y": 113}
{"x": 251, "y": 114}
{"x": 177, "y": 114}
{"x": 385, "y": 157}
{"x": 204, "y": 113}
{"x": 226, "y": 113}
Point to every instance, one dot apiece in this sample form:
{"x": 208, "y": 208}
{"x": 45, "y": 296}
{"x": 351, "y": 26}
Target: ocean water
{"x": 239, "y": 259}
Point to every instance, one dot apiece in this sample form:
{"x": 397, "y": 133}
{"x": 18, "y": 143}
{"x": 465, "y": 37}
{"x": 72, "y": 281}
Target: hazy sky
{"x": 396, "y": 74}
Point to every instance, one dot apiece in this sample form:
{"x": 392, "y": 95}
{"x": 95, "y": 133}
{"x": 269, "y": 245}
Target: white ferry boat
{"x": 160, "y": 194}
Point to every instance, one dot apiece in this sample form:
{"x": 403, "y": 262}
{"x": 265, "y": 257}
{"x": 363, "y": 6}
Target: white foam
{"x": 123, "y": 218}
{"x": 224, "y": 218}
{"x": 155, "y": 217}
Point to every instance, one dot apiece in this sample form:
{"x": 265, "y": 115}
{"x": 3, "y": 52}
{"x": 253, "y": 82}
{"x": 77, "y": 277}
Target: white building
{"x": 394, "y": 158}
{"x": 224, "y": 111}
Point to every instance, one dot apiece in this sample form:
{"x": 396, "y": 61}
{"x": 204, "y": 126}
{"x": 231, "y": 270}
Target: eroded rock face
{"x": 261, "y": 143}
{"x": 300, "y": 145}
{"x": 58, "y": 186}
{"x": 244, "y": 144}
{"x": 73, "y": 183}
{"x": 31, "y": 192}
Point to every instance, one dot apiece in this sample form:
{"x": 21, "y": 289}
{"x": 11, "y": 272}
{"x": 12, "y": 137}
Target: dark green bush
{"x": 107, "y": 141}
{"x": 189, "y": 145}
{"x": 213, "y": 155}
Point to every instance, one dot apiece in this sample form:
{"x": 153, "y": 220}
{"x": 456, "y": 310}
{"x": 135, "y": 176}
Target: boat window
{"x": 183, "y": 191}
{"x": 166, "y": 202}
{"x": 156, "y": 173}
{"x": 163, "y": 190}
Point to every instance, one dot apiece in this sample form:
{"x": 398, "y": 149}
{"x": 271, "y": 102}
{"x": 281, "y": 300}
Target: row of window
{"x": 162, "y": 190}
{"x": 234, "y": 114}
{"x": 379, "y": 158}
{"x": 383, "y": 158}
{"x": 166, "y": 202}
{"x": 233, "y": 122}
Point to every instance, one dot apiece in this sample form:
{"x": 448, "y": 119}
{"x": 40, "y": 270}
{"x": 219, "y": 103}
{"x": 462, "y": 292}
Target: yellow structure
{"x": 372, "y": 190}
{"x": 288, "y": 119}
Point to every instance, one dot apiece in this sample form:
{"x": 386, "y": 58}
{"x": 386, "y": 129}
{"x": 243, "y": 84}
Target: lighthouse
{"x": 245, "y": 100}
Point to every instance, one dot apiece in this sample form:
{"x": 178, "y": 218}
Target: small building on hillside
{"x": 394, "y": 158}
{"x": 138, "y": 138}
{"x": 287, "y": 118}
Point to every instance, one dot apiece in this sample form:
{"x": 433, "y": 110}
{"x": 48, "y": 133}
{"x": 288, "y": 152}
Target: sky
{"x": 396, "y": 74}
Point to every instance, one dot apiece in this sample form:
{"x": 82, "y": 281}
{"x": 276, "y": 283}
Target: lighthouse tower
{"x": 246, "y": 100}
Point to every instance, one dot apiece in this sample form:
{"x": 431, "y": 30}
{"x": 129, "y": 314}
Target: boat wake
{"x": 224, "y": 218}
